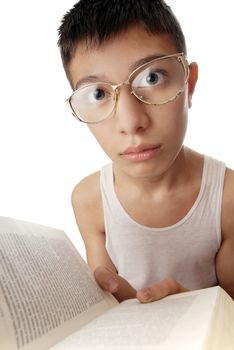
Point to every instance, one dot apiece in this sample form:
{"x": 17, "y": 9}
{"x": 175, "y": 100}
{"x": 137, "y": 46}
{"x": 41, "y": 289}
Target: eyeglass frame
{"x": 115, "y": 87}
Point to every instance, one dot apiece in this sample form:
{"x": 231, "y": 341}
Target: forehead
{"x": 114, "y": 59}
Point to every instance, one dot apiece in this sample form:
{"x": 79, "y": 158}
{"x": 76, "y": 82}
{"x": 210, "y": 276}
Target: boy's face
{"x": 142, "y": 140}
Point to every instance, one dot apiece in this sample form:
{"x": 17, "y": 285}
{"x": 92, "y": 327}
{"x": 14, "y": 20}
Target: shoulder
{"x": 228, "y": 205}
{"x": 86, "y": 190}
{"x": 86, "y": 201}
{"x": 225, "y": 256}
{"x": 229, "y": 179}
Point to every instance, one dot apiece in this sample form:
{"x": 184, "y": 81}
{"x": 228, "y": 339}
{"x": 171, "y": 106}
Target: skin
{"x": 167, "y": 181}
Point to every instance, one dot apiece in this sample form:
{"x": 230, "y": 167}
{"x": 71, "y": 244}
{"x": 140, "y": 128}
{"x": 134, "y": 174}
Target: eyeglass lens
{"x": 156, "y": 83}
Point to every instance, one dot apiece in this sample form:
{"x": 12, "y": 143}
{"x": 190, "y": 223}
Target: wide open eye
{"x": 98, "y": 94}
{"x": 159, "y": 81}
{"x": 152, "y": 78}
{"x": 149, "y": 78}
{"x": 92, "y": 103}
{"x": 94, "y": 93}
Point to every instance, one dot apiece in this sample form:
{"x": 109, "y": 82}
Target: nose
{"x": 130, "y": 114}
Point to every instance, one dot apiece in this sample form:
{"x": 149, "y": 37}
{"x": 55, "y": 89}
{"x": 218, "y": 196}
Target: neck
{"x": 178, "y": 173}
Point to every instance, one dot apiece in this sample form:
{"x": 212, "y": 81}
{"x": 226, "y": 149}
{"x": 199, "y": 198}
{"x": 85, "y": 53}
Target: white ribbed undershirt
{"x": 184, "y": 251}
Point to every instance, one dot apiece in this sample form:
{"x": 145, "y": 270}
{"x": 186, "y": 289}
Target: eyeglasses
{"x": 157, "y": 82}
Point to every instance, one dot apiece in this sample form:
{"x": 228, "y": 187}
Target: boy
{"x": 159, "y": 219}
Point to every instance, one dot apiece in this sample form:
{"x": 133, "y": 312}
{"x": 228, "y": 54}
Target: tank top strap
{"x": 212, "y": 191}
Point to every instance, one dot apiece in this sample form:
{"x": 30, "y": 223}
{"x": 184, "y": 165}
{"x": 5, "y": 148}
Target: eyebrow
{"x": 144, "y": 60}
{"x": 102, "y": 78}
{"x": 89, "y": 79}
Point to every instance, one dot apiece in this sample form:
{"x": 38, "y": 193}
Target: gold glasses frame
{"x": 115, "y": 87}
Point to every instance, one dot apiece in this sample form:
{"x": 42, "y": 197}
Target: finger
{"x": 113, "y": 283}
{"x": 106, "y": 279}
{"x": 125, "y": 290}
{"x": 160, "y": 290}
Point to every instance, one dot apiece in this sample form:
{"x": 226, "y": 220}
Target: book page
{"x": 221, "y": 330}
{"x": 46, "y": 289}
{"x": 176, "y": 322}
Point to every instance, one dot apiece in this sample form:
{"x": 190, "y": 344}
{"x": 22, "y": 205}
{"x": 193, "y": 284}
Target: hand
{"x": 114, "y": 284}
{"x": 122, "y": 290}
{"x": 160, "y": 290}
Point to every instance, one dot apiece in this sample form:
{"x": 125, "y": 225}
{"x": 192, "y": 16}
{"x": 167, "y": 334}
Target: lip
{"x": 141, "y": 152}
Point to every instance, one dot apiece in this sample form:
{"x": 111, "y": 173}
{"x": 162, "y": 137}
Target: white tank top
{"x": 184, "y": 251}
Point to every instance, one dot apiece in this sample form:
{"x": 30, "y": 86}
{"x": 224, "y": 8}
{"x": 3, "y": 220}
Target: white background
{"x": 44, "y": 151}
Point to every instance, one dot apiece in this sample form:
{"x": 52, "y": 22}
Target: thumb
{"x": 113, "y": 283}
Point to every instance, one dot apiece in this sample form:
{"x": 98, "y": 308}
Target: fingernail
{"x": 112, "y": 285}
{"x": 145, "y": 295}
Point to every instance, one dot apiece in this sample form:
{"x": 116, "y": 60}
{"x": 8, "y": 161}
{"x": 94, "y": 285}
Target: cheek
{"x": 102, "y": 135}
{"x": 179, "y": 120}
{"x": 173, "y": 119}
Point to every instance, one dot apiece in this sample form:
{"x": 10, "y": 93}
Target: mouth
{"x": 141, "y": 152}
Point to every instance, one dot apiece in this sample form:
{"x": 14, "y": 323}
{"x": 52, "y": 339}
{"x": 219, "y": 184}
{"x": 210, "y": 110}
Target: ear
{"x": 193, "y": 76}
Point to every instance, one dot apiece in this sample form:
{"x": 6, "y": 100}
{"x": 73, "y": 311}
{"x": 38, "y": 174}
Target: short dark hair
{"x": 97, "y": 20}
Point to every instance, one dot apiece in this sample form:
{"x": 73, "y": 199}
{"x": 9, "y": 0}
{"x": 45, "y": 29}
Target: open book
{"x": 50, "y": 300}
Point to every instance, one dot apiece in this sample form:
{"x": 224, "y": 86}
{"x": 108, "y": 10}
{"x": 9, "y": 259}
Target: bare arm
{"x": 225, "y": 256}
{"x": 88, "y": 212}
{"x": 87, "y": 206}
